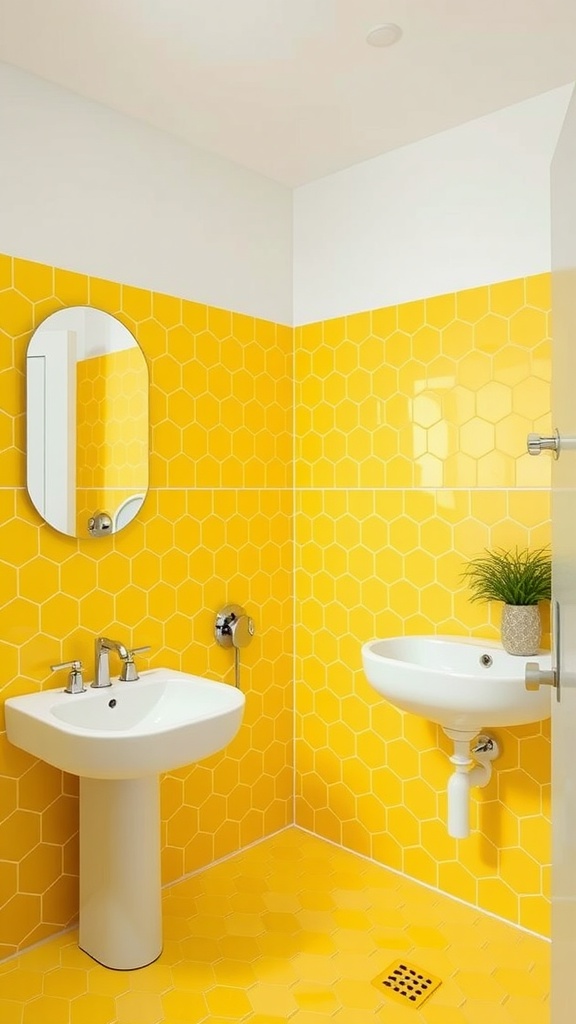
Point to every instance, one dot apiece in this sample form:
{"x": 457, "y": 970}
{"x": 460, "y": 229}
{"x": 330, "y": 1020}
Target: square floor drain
{"x": 406, "y": 983}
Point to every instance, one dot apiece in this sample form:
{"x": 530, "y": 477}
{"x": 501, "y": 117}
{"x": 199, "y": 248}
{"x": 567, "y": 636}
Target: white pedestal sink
{"x": 463, "y": 685}
{"x": 118, "y": 739}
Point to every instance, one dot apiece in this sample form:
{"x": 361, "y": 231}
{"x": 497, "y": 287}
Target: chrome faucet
{"x": 102, "y": 648}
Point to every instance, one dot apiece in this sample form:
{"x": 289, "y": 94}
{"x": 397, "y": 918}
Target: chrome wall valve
{"x": 234, "y": 628}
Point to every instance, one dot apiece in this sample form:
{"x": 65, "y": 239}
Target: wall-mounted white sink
{"x": 162, "y": 721}
{"x": 118, "y": 739}
{"x": 462, "y": 684}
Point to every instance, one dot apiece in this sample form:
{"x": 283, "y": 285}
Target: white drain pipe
{"x": 484, "y": 751}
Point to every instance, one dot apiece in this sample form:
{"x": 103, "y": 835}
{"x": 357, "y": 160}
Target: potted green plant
{"x": 520, "y": 579}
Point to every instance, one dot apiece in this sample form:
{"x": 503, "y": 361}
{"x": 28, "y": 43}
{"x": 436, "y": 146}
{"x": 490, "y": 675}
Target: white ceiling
{"x": 289, "y": 87}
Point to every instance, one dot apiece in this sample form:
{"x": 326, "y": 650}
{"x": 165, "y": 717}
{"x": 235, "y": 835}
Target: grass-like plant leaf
{"x": 514, "y": 577}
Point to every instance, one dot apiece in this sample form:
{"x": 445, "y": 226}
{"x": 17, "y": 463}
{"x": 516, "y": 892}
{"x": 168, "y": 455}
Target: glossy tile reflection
{"x": 440, "y": 392}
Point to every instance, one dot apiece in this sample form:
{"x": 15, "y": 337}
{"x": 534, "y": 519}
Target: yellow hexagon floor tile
{"x": 484, "y": 964}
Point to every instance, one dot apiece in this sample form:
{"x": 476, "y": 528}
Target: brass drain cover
{"x": 406, "y": 983}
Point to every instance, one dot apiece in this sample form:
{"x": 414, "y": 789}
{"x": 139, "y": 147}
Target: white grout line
{"x": 426, "y": 885}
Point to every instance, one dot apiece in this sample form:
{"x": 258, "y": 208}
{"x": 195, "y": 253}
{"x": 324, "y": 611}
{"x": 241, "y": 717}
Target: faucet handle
{"x": 75, "y": 681}
{"x": 129, "y": 672}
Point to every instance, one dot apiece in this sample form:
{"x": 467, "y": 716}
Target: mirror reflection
{"x": 87, "y": 422}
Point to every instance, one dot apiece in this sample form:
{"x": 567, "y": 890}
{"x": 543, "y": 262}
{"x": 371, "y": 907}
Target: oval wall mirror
{"x": 87, "y": 422}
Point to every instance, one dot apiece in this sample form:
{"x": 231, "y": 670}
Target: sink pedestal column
{"x": 120, "y": 899}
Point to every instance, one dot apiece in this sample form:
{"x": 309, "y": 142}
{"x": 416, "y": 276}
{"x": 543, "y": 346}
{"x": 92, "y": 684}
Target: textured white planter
{"x": 521, "y": 628}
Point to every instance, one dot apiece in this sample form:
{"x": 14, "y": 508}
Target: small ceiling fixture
{"x": 384, "y": 35}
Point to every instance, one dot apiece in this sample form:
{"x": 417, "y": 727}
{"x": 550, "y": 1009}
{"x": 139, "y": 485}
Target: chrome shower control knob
{"x": 242, "y": 630}
{"x": 233, "y": 627}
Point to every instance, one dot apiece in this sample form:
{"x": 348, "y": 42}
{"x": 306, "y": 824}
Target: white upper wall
{"x": 463, "y": 208}
{"x": 88, "y": 189}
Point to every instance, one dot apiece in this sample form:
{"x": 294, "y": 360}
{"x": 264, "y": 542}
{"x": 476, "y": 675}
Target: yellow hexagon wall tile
{"x": 458, "y": 420}
{"x": 496, "y": 342}
{"x": 436, "y": 394}
{"x": 161, "y": 581}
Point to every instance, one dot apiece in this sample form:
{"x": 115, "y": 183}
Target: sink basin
{"x": 462, "y": 684}
{"x": 118, "y": 739}
{"x": 162, "y": 721}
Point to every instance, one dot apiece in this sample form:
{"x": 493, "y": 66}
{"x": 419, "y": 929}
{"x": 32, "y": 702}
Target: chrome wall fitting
{"x": 234, "y": 628}
{"x": 555, "y": 443}
{"x": 100, "y": 524}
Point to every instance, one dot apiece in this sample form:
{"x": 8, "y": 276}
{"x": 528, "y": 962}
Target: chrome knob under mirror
{"x": 100, "y": 524}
